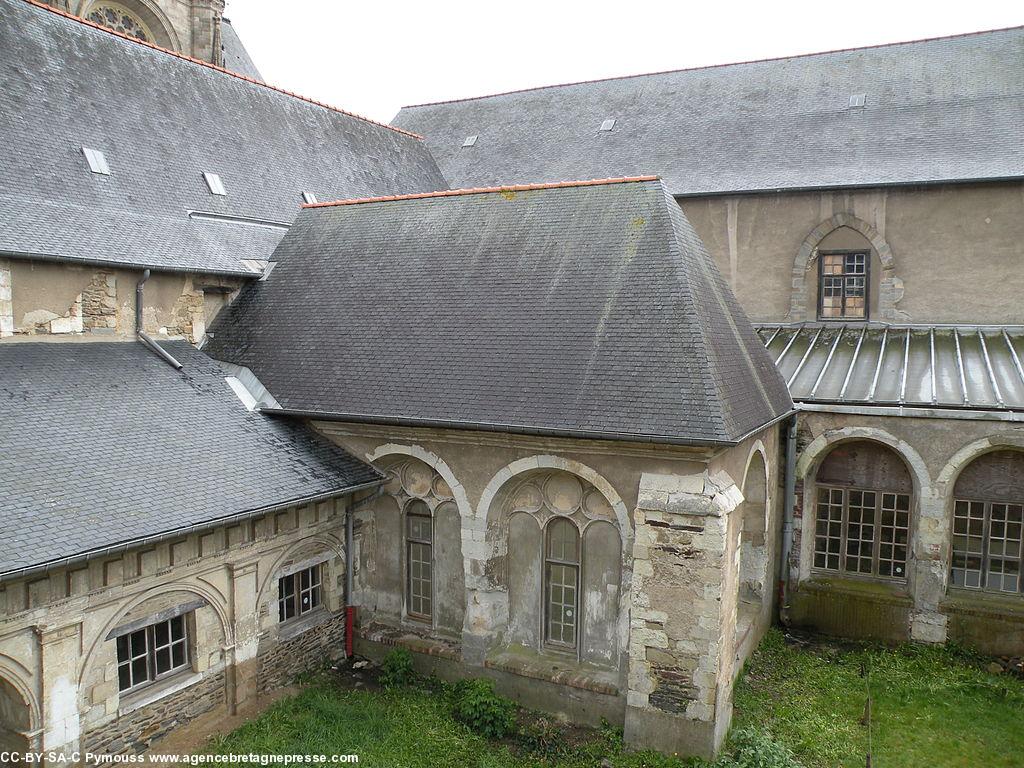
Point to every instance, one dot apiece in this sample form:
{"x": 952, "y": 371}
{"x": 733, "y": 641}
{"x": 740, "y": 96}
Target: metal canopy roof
{"x": 964, "y": 367}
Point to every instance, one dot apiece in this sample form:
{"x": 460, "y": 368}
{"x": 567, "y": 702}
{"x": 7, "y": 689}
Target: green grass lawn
{"x": 932, "y": 707}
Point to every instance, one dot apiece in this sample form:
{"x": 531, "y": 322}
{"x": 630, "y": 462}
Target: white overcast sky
{"x": 373, "y": 57}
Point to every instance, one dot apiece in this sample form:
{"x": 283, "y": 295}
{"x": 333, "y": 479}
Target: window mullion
{"x": 845, "y": 517}
{"x": 876, "y": 531}
{"x": 986, "y": 531}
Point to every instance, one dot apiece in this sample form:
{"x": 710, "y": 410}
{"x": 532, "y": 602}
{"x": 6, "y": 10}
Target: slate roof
{"x": 236, "y": 57}
{"x": 947, "y": 109}
{"x": 588, "y": 309}
{"x": 105, "y": 442}
{"x": 162, "y": 120}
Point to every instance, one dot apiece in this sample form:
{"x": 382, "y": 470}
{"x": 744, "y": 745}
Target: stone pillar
{"x": 682, "y": 623}
{"x": 241, "y": 657}
{"x": 931, "y": 566}
{"x": 60, "y": 647}
{"x": 6, "y": 300}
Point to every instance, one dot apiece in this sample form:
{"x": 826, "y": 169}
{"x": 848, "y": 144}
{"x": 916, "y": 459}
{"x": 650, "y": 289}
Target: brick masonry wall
{"x": 286, "y": 660}
{"x": 135, "y": 731}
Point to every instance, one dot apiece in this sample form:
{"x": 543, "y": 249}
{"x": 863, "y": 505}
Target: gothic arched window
{"x": 120, "y": 19}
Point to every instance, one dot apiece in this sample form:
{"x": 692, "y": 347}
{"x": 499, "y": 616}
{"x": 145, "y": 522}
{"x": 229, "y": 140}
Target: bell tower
{"x": 191, "y": 27}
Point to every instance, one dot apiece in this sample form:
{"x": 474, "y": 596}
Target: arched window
{"x": 562, "y": 583}
{"x": 118, "y": 18}
{"x": 419, "y": 554}
{"x": 862, "y": 523}
{"x": 988, "y": 515}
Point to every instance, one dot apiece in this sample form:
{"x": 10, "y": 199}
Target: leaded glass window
{"x": 862, "y": 531}
{"x": 843, "y": 285}
{"x": 987, "y": 545}
{"x": 151, "y": 653}
{"x": 562, "y": 581}
{"x": 120, "y": 19}
{"x": 419, "y": 560}
{"x": 299, "y": 593}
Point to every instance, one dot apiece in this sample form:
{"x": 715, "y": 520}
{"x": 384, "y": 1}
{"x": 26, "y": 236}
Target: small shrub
{"x": 544, "y": 737}
{"x": 478, "y": 706}
{"x": 396, "y": 669}
{"x": 756, "y": 749}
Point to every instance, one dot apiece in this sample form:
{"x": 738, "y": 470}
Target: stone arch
{"x": 516, "y": 508}
{"x": 594, "y": 478}
{"x": 19, "y": 722}
{"x": 321, "y": 541}
{"x": 959, "y": 461}
{"x": 212, "y": 598}
{"x": 890, "y": 286}
{"x": 451, "y": 515}
{"x": 152, "y": 16}
{"x": 753, "y": 583}
{"x": 431, "y": 460}
{"x": 818, "y": 449}
{"x": 949, "y": 479}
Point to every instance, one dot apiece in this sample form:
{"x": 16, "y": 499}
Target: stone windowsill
{"x": 296, "y": 627}
{"x": 872, "y": 590}
{"x": 158, "y": 690}
{"x": 970, "y": 602}
{"x": 417, "y": 642}
{"x": 559, "y": 669}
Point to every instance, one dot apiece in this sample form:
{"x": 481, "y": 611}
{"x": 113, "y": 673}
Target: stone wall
{"x": 59, "y": 629}
{"x": 137, "y": 730}
{"x": 44, "y": 298}
{"x": 923, "y": 607}
{"x": 311, "y": 649}
{"x": 923, "y": 240}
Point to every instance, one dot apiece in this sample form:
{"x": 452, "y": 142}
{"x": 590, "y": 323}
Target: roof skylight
{"x": 470, "y": 141}
{"x": 857, "y": 99}
{"x": 97, "y": 161}
{"x": 215, "y": 184}
{"x": 309, "y": 198}
{"x": 608, "y": 124}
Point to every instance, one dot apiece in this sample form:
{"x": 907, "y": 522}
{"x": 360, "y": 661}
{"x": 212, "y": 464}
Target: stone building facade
{"x": 561, "y": 446}
{"x": 677, "y": 572}
{"x": 60, "y": 630}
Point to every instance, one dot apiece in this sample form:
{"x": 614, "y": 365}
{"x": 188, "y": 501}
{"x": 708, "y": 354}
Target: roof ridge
{"x": 215, "y": 68}
{"x": 482, "y": 190}
{"x": 711, "y": 66}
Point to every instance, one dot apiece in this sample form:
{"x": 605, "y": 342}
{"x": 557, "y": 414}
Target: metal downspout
{"x": 142, "y": 335}
{"x": 789, "y": 503}
{"x": 350, "y": 609}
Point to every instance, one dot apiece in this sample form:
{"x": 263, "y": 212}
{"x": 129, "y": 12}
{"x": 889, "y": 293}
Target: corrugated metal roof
{"x": 935, "y": 366}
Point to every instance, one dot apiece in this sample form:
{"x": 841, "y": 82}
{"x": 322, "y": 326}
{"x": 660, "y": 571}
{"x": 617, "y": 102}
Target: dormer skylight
{"x": 97, "y": 161}
{"x": 608, "y": 124}
{"x": 215, "y": 184}
{"x": 470, "y": 141}
{"x": 308, "y": 198}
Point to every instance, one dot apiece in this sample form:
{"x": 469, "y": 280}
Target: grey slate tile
{"x": 162, "y": 122}
{"x": 103, "y": 442}
{"x": 937, "y": 110}
{"x": 583, "y": 309}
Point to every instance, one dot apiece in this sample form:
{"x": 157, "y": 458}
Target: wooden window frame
{"x": 293, "y": 597}
{"x": 986, "y": 546}
{"x": 152, "y": 650}
{"x": 577, "y": 568}
{"x": 412, "y": 543}
{"x": 867, "y": 285}
{"x": 877, "y": 528}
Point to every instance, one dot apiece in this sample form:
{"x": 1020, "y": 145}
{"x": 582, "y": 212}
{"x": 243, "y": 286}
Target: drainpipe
{"x": 350, "y": 609}
{"x": 787, "y": 518}
{"x": 142, "y": 335}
